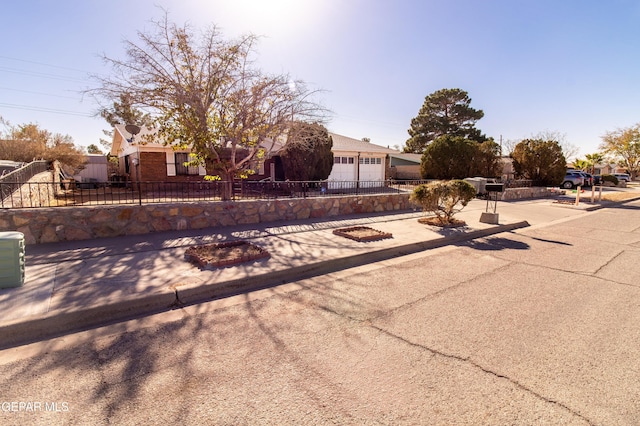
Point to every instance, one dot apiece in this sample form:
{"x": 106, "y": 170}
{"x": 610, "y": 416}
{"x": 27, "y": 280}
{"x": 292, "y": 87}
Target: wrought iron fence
{"x": 50, "y": 194}
{"x": 25, "y": 173}
{"x": 11, "y": 182}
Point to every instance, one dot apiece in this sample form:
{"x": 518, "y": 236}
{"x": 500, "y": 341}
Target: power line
{"x": 37, "y": 93}
{"x": 41, "y": 74}
{"x": 44, "y": 64}
{"x": 50, "y": 110}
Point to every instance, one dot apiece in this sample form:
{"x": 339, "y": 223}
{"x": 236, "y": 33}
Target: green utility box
{"x": 11, "y": 259}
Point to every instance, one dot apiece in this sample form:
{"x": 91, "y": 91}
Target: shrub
{"x": 307, "y": 154}
{"x": 539, "y": 160}
{"x": 610, "y": 178}
{"x": 448, "y": 157}
{"x": 442, "y": 198}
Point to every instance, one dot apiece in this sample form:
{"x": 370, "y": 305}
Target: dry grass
{"x": 606, "y": 196}
{"x": 619, "y": 196}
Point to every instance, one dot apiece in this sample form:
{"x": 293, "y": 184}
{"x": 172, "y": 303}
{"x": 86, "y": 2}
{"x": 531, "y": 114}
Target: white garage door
{"x": 371, "y": 169}
{"x": 344, "y": 169}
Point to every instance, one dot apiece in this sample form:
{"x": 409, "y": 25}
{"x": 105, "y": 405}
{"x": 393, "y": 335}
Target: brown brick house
{"x": 354, "y": 160}
{"x": 154, "y": 160}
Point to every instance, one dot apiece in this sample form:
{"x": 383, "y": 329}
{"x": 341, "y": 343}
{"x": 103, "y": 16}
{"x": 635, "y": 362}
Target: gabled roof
{"x": 144, "y": 131}
{"x": 344, "y": 143}
{"x": 413, "y": 158}
{"x": 121, "y": 136}
{"x": 340, "y": 142}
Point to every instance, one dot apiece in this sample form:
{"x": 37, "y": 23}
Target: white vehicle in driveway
{"x": 572, "y": 179}
{"x": 623, "y": 176}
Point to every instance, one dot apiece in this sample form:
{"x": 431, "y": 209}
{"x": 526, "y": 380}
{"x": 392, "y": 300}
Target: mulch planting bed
{"x": 362, "y": 233}
{"x": 434, "y": 221}
{"x": 211, "y": 256}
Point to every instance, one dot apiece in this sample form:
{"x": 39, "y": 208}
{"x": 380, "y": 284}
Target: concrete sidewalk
{"x": 78, "y": 285}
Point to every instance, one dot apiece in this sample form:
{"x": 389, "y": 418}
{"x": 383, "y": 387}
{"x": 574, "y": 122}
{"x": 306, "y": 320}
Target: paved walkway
{"x": 77, "y": 285}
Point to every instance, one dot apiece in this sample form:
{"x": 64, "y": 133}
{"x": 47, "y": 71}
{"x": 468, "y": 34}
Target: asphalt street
{"x": 535, "y": 326}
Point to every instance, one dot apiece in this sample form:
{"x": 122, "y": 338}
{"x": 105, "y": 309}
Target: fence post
{"x": 600, "y": 193}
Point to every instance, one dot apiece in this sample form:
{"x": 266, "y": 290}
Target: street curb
{"x": 23, "y": 331}
{"x": 586, "y": 208}
{"x": 210, "y": 291}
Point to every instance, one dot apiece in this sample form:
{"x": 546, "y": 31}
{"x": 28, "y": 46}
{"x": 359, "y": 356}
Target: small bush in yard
{"x": 610, "y": 178}
{"x": 443, "y": 197}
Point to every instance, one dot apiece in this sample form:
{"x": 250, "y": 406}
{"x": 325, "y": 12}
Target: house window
{"x": 378, "y": 160}
{"x": 181, "y": 168}
{"x": 343, "y": 160}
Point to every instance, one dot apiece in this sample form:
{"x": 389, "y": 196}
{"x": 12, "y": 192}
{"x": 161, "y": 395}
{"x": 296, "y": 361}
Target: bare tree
{"x": 204, "y": 93}
{"x": 569, "y": 150}
{"x": 508, "y": 145}
{"x": 623, "y": 145}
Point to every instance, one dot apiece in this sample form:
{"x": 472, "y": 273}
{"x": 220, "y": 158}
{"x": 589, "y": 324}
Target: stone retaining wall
{"x": 530, "y": 192}
{"x": 45, "y": 225}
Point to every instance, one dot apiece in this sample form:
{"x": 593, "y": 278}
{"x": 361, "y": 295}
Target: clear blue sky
{"x": 571, "y": 67}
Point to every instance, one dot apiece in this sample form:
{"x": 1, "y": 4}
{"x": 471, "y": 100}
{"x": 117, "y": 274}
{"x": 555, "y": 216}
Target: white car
{"x": 572, "y": 179}
{"x": 623, "y": 176}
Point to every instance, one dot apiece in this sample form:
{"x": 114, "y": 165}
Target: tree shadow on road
{"x": 544, "y": 240}
{"x": 495, "y": 244}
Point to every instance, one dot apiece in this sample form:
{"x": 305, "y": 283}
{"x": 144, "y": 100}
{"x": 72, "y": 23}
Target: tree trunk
{"x": 227, "y": 186}
{"x": 226, "y": 179}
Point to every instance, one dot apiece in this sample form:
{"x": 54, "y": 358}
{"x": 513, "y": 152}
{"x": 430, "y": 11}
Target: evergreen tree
{"x": 454, "y": 157}
{"x": 122, "y": 112}
{"x": 307, "y": 154}
{"x": 444, "y": 112}
{"x": 448, "y": 157}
